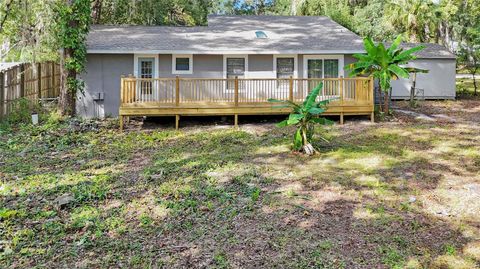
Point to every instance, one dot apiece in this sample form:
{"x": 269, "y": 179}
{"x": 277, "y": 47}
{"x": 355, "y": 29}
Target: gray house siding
{"x": 438, "y": 83}
{"x": 103, "y": 75}
{"x": 260, "y": 66}
{"x": 104, "y": 72}
{"x": 204, "y": 66}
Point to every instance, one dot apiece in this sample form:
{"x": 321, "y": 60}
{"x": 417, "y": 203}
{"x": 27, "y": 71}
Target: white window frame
{"x": 295, "y": 63}
{"x": 225, "y": 56}
{"x": 135, "y": 64}
{"x": 182, "y": 72}
{"x": 340, "y": 58}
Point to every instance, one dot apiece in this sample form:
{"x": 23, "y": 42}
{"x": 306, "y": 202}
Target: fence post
{"x": 52, "y": 92}
{"x": 236, "y": 91}
{"x": 39, "y": 81}
{"x": 290, "y": 89}
{"x": 2, "y": 95}
{"x": 22, "y": 80}
{"x": 177, "y": 91}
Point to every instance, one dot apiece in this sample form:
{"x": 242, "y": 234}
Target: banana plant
{"x": 384, "y": 64}
{"x": 304, "y": 116}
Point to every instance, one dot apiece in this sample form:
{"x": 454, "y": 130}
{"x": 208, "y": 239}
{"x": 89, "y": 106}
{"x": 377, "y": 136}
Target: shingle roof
{"x": 231, "y": 34}
{"x": 431, "y": 50}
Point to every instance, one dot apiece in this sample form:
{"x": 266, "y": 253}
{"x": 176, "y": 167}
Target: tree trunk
{"x": 67, "y": 97}
{"x": 380, "y": 98}
{"x": 68, "y": 91}
{"x": 474, "y": 83}
{"x": 386, "y": 102}
{"x": 307, "y": 147}
{"x": 96, "y": 11}
{"x": 412, "y": 89}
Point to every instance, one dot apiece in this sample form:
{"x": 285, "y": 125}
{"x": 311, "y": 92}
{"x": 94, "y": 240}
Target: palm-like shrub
{"x": 304, "y": 116}
{"x": 384, "y": 64}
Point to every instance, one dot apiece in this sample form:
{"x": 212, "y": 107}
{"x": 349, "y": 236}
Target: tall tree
{"x": 73, "y": 25}
{"x": 468, "y": 36}
{"x": 418, "y": 20}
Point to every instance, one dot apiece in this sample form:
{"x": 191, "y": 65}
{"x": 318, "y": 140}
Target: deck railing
{"x": 237, "y": 91}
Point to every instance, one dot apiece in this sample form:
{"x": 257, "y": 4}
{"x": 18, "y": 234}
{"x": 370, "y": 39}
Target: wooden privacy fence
{"x": 32, "y": 81}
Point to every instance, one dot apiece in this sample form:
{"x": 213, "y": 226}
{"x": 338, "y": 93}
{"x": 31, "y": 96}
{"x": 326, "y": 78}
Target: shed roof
{"x": 233, "y": 35}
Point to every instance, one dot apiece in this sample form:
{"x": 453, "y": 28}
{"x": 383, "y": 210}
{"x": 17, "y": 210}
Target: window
{"x": 285, "y": 67}
{"x": 322, "y": 66}
{"x": 182, "y": 64}
{"x": 331, "y": 68}
{"x": 235, "y": 68}
{"x": 261, "y": 34}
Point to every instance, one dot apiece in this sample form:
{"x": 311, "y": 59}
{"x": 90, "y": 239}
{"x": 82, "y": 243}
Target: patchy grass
{"x": 465, "y": 87}
{"x": 402, "y": 194}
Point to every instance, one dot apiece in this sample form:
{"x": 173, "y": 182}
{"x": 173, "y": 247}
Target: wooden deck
{"x": 201, "y": 97}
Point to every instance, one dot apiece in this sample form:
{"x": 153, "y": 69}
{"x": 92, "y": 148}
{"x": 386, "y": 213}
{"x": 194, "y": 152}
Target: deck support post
{"x": 236, "y": 91}
{"x": 372, "y": 117}
{"x": 341, "y": 118}
{"x": 236, "y": 120}
{"x": 121, "y": 123}
{"x": 177, "y": 121}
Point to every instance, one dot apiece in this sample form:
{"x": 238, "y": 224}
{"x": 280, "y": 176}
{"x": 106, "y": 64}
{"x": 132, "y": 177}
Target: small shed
{"x": 438, "y": 83}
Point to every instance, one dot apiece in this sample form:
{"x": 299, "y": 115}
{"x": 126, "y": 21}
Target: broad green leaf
{"x": 310, "y": 100}
{"x": 399, "y": 71}
{"x": 322, "y": 121}
{"x": 395, "y": 44}
{"x": 294, "y": 119}
{"x": 282, "y": 123}
{"x": 408, "y": 53}
{"x": 316, "y": 110}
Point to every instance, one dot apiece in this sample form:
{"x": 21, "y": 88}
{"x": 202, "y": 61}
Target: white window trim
{"x": 182, "y": 72}
{"x": 135, "y": 63}
{"x": 340, "y": 59}
{"x": 225, "y": 56}
{"x": 295, "y": 63}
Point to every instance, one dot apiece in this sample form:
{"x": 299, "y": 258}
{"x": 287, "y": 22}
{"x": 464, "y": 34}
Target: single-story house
{"x": 235, "y": 61}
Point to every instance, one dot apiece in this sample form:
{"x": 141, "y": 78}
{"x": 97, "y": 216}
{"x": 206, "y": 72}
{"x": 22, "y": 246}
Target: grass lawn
{"x": 465, "y": 87}
{"x": 399, "y": 194}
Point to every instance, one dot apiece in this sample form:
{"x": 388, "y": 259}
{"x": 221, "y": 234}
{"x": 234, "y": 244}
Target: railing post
{"x": 372, "y": 82}
{"x": 39, "y": 81}
{"x": 177, "y": 91}
{"x": 290, "y": 89}
{"x": 340, "y": 81}
{"x": 122, "y": 89}
{"x": 236, "y": 91}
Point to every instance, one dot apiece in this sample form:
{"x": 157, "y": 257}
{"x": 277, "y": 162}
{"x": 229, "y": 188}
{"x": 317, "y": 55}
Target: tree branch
{"x": 7, "y": 12}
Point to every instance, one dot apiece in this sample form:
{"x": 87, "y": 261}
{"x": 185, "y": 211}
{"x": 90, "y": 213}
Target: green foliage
{"x": 72, "y": 30}
{"x": 155, "y": 12}
{"x": 304, "y": 117}
{"x": 21, "y": 111}
{"x": 384, "y": 63}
